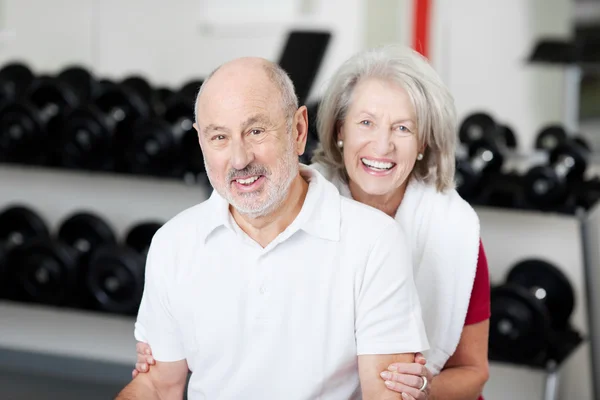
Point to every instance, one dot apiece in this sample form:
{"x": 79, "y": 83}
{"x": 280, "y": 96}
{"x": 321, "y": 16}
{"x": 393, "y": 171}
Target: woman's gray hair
{"x": 431, "y": 99}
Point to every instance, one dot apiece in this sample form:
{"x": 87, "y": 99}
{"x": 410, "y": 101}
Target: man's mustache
{"x": 252, "y": 169}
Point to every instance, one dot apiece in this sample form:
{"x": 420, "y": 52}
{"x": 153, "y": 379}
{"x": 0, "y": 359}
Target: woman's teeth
{"x": 379, "y": 165}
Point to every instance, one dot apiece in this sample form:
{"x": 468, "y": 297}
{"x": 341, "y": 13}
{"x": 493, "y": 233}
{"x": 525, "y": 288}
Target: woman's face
{"x": 379, "y": 134}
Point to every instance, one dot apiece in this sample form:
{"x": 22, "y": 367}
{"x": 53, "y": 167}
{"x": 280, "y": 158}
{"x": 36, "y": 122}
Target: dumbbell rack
{"x": 71, "y": 344}
{"x": 513, "y": 235}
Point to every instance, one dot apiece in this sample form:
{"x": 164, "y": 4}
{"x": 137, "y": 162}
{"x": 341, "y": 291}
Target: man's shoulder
{"x": 183, "y": 224}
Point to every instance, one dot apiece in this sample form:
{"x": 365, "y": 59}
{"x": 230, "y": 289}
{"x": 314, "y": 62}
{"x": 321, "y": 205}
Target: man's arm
{"x": 164, "y": 381}
{"x": 389, "y": 327}
{"x": 369, "y": 370}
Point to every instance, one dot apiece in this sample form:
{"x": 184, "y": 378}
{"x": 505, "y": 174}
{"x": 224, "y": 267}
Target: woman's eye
{"x": 365, "y": 123}
{"x": 402, "y": 128}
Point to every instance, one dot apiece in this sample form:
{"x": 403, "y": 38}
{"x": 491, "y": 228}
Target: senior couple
{"x": 360, "y": 276}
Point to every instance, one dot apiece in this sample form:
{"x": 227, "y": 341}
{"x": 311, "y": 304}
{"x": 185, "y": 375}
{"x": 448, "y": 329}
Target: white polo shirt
{"x": 286, "y": 321}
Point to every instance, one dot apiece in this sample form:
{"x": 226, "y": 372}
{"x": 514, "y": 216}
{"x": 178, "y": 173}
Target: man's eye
{"x": 255, "y": 131}
{"x": 218, "y": 137}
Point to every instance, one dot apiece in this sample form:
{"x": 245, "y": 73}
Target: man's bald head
{"x": 252, "y": 71}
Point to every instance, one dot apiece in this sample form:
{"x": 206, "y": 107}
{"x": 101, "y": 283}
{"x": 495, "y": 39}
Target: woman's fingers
{"x": 401, "y": 388}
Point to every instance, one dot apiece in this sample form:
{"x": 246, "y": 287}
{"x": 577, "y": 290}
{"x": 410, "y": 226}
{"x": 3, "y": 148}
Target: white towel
{"x": 444, "y": 234}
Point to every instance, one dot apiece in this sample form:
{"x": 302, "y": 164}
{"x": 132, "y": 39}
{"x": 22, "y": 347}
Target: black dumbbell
{"x": 161, "y": 96}
{"x": 157, "y": 146}
{"x": 53, "y": 271}
{"x": 29, "y": 128}
{"x": 116, "y": 273}
{"x": 549, "y": 185}
{"x": 481, "y": 126}
{"x": 15, "y": 79}
{"x": 550, "y": 137}
{"x": 93, "y": 136}
{"x": 18, "y": 226}
{"x": 190, "y": 90}
{"x": 534, "y": 303}
{"x": 484, "y": 157}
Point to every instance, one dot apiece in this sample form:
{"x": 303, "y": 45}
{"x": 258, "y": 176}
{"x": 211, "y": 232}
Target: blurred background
{"x": 97, "y": 151}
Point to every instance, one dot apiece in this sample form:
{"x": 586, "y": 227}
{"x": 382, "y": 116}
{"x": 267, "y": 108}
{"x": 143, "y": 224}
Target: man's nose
{"x": 241, "y": 155}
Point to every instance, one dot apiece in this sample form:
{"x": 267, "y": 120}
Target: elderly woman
{"x": 387, "y": 130}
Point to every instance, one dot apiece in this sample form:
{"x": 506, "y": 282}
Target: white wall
{"x": 169, "y": 44}
{"x": 481, "y": 48}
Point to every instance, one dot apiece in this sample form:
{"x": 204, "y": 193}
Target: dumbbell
{"x": 190, "y": 89}
{"x": 157, "y": 146}
{"x": 116, "y": 273}
{"x": 52, "y": 271}
{"x": 161, "y": 96}
{"x": 480, "y": 125}
{"x": 536, "y": 301}
{"x": 18, "y": 225}
{"x": 549, "y": 185}
{"x": 29, "y": 128}
{"x": 484, "y": 157}
{"x": 15, "y": 78}
{"x": 93, "y": 136}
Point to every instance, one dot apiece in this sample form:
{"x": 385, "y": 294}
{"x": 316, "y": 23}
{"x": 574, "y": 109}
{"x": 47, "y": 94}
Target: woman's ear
{"x": 339, "y": 132}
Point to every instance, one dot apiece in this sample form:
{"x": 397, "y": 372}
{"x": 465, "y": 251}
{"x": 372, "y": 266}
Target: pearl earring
{"x": 340, "y": 143}
{"x": 420, "y": 156}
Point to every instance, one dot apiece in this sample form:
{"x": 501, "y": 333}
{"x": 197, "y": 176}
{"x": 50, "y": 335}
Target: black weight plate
{"x": 507, "y": 137}
{"x": 153, "y": 149}
{"x": 115, "y": 279}
{"x": 549, "y": 285}
{"x": 86, "y": 139}
{"x": 180, "y": 114}
{"x": 578, "y": 155}
{"x": 85, "y": 232}
{"x": 15, "y": 78}
{"x": 140, "y": 85}
{"x": 140, "y": 236}
{"x": 45, "y": 91}
{"x": 542, "y": 187}
{"x": 22, "y": 133}
{"x": 122, "y": 104}
{"x": 488, "y": 151}
{"x": 550, "y": 138}
{"x": 190, "y": 90}
{"x": 476, "y": 126}
{"x": 19, "y": 224}
{"x": 519, "y": 324}
{"x": 81, "y": 81}
{"x": 191, "y": 153}
{"x": 161, "y": 96}
{"x": 44, "y": 271}
{"x": 313, "y": 111}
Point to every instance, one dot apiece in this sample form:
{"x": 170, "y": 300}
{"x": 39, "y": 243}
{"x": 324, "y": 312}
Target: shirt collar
{"x": 320, "y": 215}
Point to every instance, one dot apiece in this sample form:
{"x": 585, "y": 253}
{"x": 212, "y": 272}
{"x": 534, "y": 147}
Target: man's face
{"x": 249, "y": 153}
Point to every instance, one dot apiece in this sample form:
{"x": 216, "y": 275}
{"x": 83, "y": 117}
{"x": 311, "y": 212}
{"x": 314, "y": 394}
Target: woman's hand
{"x": 407, "y": 378}
{"x": 144, "y": 358}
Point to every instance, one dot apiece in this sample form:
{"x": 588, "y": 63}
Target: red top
{"x": 479, "y": 305}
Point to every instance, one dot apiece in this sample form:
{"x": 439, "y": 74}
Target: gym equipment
{"x": 484, "y": 157}
{"x": 190, "y": 89}
{"x": 549, "y": 185}
{"x": 156, "y": 147}
{"x": 94, "y": 136}
{"x": 301, "y": 58}
{"x": 15, "y": 78}
{"x": 550, "y": 137}
{"x": 29, "y": 127}
{"x": 140, "y": 236}
{"x": 116, "y": 273}
{"x": 161, "y": 96}
{"x": 528, "y": 310}
{"x": 53, "y": 271}
{"x": 18, "y": 226}
{"x": 480, "y": 125}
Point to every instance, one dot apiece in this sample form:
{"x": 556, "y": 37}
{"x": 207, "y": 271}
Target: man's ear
{"x": 300, "y": 129}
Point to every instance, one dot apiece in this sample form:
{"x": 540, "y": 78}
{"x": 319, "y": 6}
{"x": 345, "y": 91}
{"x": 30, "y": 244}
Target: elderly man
{"x": 275, "y": 287}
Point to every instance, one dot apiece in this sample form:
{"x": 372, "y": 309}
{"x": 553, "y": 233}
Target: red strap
{"x": 421, "y": 26}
